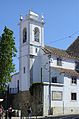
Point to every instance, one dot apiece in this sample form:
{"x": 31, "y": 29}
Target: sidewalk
{"x": 34, "y": 117}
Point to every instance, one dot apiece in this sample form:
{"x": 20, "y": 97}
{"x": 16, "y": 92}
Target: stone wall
{"x": 37, "y": 99}
{"x": 23, "y": 99}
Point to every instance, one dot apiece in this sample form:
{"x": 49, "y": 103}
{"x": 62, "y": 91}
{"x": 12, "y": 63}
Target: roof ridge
{"x": 55, "y": 48}
{"x": 59, "y": 52}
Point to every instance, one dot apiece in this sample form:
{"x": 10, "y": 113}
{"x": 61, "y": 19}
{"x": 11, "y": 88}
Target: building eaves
{"x": 58, "y": 52}
{"x": 17, "y": 73}
{"x": 67, "y": 71}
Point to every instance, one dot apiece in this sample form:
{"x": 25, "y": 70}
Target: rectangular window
{"x": 73, "y": 96}
{"x": 59, "y": 61}
{"x": 18, "y": 85}
{"x": 74, "y": 80}
{"x": 54, "y": 79}
{"x": 24, "y": 35}
{"x": 41, "y": 74}
{"x": 77, "y": 66}
{"x": 24, "y": 70}
{"x": 36, "y": 50}
{"x": 57, "y": 95}
{"x": 31, "y": 56}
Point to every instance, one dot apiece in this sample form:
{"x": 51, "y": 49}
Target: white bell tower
{"x": 31, "y": 40}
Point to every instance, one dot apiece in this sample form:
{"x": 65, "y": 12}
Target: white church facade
{"x": 50, "y": 73}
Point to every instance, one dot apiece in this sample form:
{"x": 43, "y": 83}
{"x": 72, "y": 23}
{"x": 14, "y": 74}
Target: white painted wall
{"x": 67, "y": 90}
{"x": 46, "y": 100}
{"x": 66, "y": 105}
{"x": 56, "y": 73}
{"x": 24, "y": 57}
{"x": 31, "y": 21}
{"x": 41, "y": 60}
{"x": 13, "y": 83}
{"x": 37, "y": 68}
{"x": 66, "y": 63}
{"x": 45, "y": 67}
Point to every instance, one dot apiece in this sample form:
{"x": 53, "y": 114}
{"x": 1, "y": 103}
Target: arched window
{"x": 36, "y": 34}
{"x": 24, "y": 35}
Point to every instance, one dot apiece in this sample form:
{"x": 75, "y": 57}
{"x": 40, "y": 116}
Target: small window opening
{"x": 24, "y": 70}
{"x": 73, "y": 96}
{"x": 59, "y": 61}
{"x": 24, "y": 35}
{"x": 54, "y": 79}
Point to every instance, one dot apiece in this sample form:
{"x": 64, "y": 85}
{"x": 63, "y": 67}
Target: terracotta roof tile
{"x": 58, "y": 52}
{"x": 67, "y": 71}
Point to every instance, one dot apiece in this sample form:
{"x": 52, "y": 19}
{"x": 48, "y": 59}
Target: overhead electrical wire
{"x": 69, "y": 36}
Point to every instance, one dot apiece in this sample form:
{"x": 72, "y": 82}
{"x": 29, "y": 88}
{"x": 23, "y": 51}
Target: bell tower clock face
{"x": 36, "y": 34}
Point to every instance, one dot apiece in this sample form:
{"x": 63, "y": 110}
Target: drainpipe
{"x": 49, "y": 85}
{"x": 63, "y": 106}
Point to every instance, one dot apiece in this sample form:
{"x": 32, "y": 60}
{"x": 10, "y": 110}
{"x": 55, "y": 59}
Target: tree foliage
{"x": 7, "y": 52}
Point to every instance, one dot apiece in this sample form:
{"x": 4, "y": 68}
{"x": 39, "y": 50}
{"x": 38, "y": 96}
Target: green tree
{"x": 7, "y": 52}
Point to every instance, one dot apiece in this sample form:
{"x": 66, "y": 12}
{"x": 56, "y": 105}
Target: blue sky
{"x": 61, "y": 19}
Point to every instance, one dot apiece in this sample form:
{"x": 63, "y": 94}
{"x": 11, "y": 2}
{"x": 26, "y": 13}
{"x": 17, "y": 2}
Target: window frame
{"x": 24, "y": 70}
{"x": 74, "y": 80}
{"x": 24, "y": 35}
{"x": 77, "y": 66}
{"x": 54, "y": 79}
{"x": 56, "y": 99}
{"x": 36, "y": 50}
{"x": 59, "y": 61}
{"x": 73, "y": 96}
{"x": 36, "y": 34}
